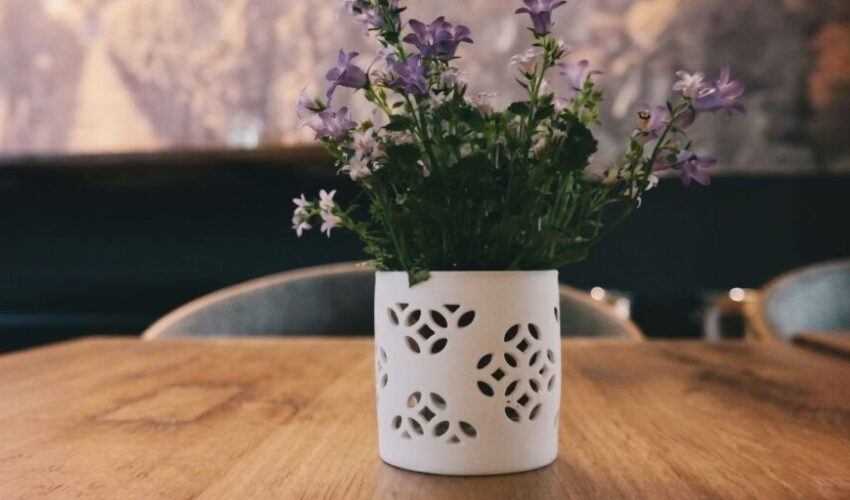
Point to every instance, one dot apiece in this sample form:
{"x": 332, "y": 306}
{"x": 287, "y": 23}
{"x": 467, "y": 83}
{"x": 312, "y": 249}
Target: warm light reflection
{"x": 597, "y": 293}
{"x": 737, "y": 294}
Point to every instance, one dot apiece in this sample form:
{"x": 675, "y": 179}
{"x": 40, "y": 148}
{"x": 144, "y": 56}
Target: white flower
{"x": 329, "y": 221}
{"x": 563, "y": 47}
{"x": 527, "y": 61}
{"x": 515, "y": 125}
{"x": 483, "y": 101}
{"x": 301, "y": 205}
{"x": 610, "y": 176}
{"x": 357, "y": 169}
{"x": 540, "y": 142}
{"x": 691, "y": 85}
{"x": 425, "y": 171}
{"x": 437, "y": 100}
{"x": 364, "y": 144}
{"x": 465, "y": 150}
{"x": 451, "y": 77}
{"x": 545, "y": 88}
{"x": 326, "y": 200}
{"x": 400, "y": 137}
{"x": 562, "y": 104}
{"x": 653, "y": 182}
{"x": 300, "y": 225}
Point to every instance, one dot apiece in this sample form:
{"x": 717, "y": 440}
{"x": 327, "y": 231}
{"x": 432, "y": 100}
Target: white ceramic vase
{"x": 468, "y": 371}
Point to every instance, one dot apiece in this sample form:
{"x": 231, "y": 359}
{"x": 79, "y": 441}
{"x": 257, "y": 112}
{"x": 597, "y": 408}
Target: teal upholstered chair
{"x": 337, "y": 300}
{"x": 813, "y": 298}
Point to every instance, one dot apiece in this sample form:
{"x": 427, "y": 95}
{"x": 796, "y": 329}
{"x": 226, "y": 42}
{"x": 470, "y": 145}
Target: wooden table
{"x": 835, "y": 343}
{"x": 121, "y": 418}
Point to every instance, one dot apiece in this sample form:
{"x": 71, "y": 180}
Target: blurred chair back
{"x": 337, "y": 300}
{"x": 813, "y": 298}
{"x": 582, "y": 316}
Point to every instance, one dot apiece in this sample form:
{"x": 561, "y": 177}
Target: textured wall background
{"x": 87, "y": 76}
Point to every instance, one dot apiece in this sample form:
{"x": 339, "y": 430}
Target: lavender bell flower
{"x": 540, "y": 12}
{"x": 690, "y": 165}
{"x": 438, "y": 40}
{"x": 651, "y": 122}
{"x": 332, "y": 125}
{"x": 346, "y": 74}
{"x": 307, "y": 105}
{"x": 410, "y": 76}
{"x": 725, "y": 95}
{"x": 577, "y": 75}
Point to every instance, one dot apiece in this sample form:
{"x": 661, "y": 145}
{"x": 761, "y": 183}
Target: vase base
{"x": 470, "y": 471}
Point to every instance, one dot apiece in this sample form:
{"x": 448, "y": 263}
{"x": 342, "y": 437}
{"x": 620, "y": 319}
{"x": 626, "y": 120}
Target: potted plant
{"x": 469, "y": 211}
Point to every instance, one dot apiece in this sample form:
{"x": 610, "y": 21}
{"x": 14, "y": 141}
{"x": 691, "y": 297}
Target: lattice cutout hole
{"x": 484, "y": 361}
{"x": 485, "y": 389}
{"x": 438, "y": 401}
{"x": 412, "y": 344}
{"x": 439, "y": 319}
{"x": 415, "y": 426}
{"x": 439, "y": 345}
{"x": 466, "y": 319}
{"x": 427, "y": 414}
{"x": 426, "y": 332}
{"x": 468, "y": 429}
{"x": 441, "y": 428}
{"x": 535, "y": 411}
{"x": 413, "y": 317}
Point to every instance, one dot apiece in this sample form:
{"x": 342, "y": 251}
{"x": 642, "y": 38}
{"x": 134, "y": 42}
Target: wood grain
{"x": 834, "y": 343}
{"x": 121, "y": 418}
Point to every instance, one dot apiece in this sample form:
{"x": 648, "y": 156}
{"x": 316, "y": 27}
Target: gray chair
{"x": 300, "y": 302}
{"x": 813, "y": 298}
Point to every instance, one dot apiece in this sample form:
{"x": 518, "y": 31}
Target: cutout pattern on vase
{"x": 425, "y": 329}
{"x": 426, "y": 417}
{"x": 520, "y": 374}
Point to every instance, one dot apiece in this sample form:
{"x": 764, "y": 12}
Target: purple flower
{"x": 410, "y": 76}
{"x": 577, "y": 75}
{"x": 438, "y": 40}
{"x": 724, "y": 96}
{"x": 346, "y": 74}
{"x": 332, "y": 125}
{"x": 687, "y": 118}
{"x": 540, "y": 12}
{"x": 689, "y": 164}
{"x": 307, "y": 105}
{"x": 651, "y": 122}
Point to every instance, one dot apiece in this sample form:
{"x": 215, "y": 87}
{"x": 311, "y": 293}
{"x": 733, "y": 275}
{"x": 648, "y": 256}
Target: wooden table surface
{"x": 835, "y": 343}
{"x": 122, "y": 418}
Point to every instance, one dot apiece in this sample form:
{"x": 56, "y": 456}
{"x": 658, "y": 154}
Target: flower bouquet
{"x": 466, "y": 211}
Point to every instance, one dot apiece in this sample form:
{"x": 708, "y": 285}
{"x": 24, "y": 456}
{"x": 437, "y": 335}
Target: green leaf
{"x": 416, "y": 276}
{"x": 399, "y": 123}
{"x": 403, "y": 153}
{"x": 578, "y": 147}
{"x": 519, "y": 108}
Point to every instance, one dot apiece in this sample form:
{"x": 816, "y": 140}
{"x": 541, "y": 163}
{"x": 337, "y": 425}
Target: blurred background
{"x": 149, "y": 150}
